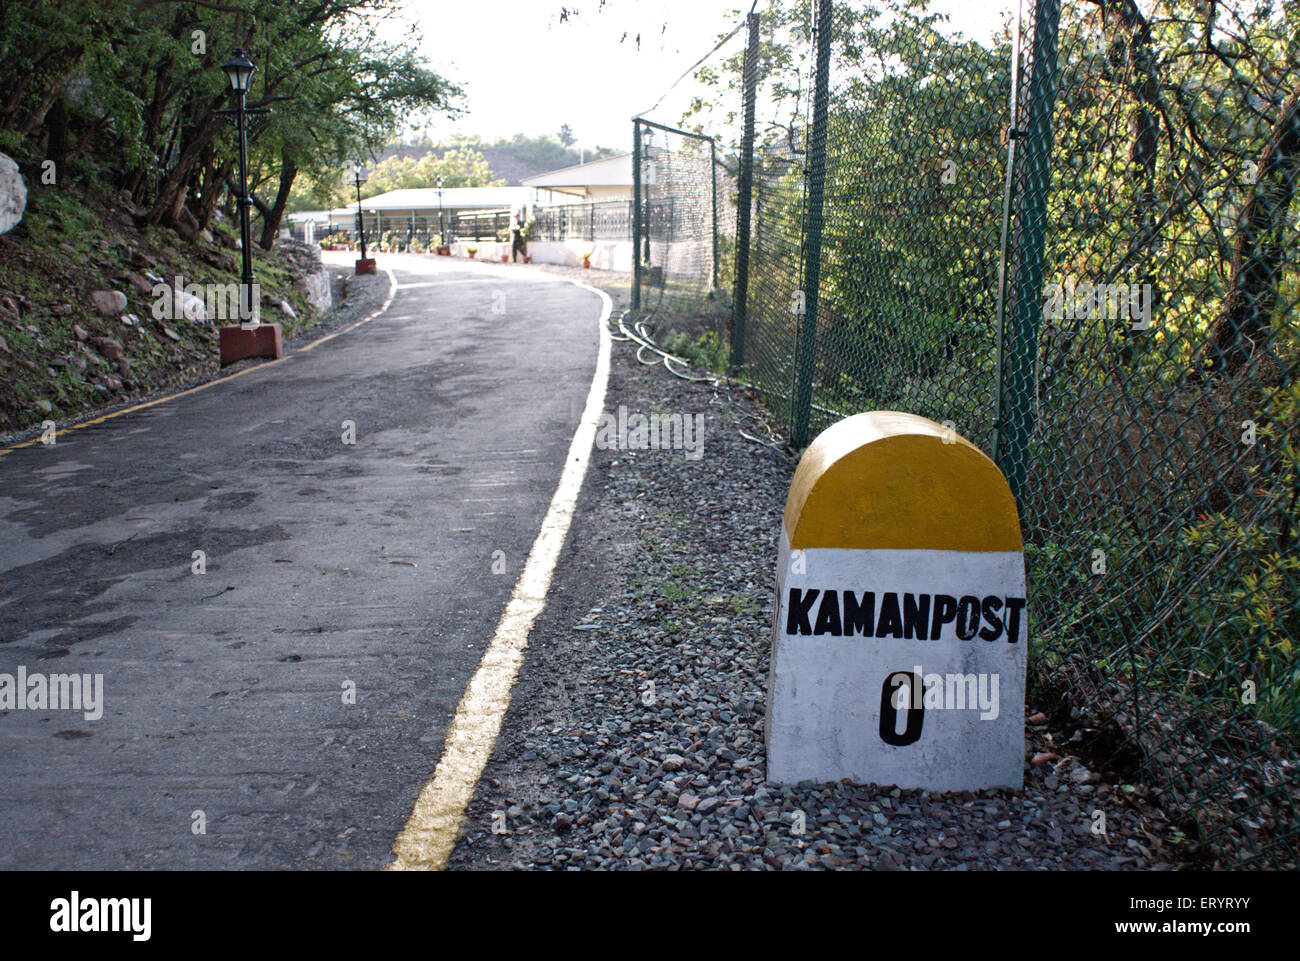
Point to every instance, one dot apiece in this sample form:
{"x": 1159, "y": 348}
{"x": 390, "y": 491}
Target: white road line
{"x": 430, "y": 834}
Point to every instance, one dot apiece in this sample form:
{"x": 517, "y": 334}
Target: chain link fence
{"x": 675, "y": 218}
{"x": 1074, "y": 238}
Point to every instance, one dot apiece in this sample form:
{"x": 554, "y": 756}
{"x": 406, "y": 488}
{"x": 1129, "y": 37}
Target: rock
{"x": 171, "y": 333}
{"x": 205, "y": 235}
{"x": 79, "y": 332}
{"x": 688, "y": 801}
{"x": 219, "y": 259}
{"x": 142, "y": 286}
{"x": 283, "y": 306}
{"x": 674, "y": 762}
{"x": 61, "y": 310}
{"x": 312, "y": 279}
{"x": 124, "y": 366}
{"x": 108, "y": 347}
{"x": 110, "y": 303}
{"x": 315, "y": 287}
{"x": 189, "y": 307}
{"x": 3, "y": 346}
{"x": 13, "y": 194}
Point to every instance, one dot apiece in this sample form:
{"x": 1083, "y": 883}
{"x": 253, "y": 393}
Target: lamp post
{"x": 442, "y": 230}
{"x": 248, "y": 338}
{"x": 366, "y": 265}
{"x": 240, "y": 70}
{"x": 361, "y": 224}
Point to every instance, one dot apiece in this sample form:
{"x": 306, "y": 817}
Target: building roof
{"x": 453, "y": 198}
{"x": 610, "y": 172}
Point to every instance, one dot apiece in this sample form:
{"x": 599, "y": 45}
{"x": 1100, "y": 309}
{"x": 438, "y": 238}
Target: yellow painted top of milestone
{"x": 886, "y": 479}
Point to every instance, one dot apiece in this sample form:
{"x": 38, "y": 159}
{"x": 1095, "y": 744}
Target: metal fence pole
{"x": 806, "y": 356}
{"x": 713, "y": 181}
{"x": 744, "y": 198}
{"x": 636, "y": 214}
{"x": 1019, "y": 348}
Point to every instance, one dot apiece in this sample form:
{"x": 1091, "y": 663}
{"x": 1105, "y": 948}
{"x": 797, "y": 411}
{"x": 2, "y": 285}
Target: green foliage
{"x": 133, "y": 89}
{"x": 708, "y": 351}
{"x": 458, "y": 167}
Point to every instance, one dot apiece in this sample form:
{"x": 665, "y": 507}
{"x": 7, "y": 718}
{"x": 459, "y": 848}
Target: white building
{"x": 421, "y": 209}
{"x": 594, "y": 182}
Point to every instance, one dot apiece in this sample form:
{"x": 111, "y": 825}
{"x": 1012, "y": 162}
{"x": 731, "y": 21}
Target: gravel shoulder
{"x": 634, "y": 739}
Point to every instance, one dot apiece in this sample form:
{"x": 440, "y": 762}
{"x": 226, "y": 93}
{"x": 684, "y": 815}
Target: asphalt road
{"x": 327, "y": 565}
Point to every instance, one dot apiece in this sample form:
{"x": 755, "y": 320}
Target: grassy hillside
{"x": 60, "y": 356}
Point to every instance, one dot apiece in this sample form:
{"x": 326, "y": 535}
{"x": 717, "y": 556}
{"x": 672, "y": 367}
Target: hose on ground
{"x": 645, "y": 342}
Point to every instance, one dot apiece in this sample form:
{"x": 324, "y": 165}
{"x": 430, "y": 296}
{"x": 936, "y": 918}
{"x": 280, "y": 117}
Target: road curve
{"x": 380, "y": 566}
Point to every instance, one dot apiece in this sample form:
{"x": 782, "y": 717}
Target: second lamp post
{"x": 366, "y": 265}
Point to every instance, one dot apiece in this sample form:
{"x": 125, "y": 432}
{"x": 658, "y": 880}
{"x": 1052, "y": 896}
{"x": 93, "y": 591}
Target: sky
{"x": 525, "y": 71}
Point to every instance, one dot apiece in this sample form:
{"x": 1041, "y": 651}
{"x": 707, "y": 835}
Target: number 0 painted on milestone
{"x": 898, "y": 652}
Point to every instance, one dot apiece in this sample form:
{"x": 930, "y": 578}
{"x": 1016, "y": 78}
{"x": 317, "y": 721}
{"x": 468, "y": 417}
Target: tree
{"x": 131, "y": 89}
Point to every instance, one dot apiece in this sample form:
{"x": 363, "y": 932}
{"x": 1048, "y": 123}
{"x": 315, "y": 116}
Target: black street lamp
{"x": 361, "y": 223}
{"x": 240, "y": 70}
{"x": 366, "y": 265}
{"x": 442, "y": 230}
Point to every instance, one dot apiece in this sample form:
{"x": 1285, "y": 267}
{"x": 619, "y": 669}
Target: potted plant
{"x": 472, "y": 250}
{"x": 505, "y": 258}
{"x": 586, "y": 257}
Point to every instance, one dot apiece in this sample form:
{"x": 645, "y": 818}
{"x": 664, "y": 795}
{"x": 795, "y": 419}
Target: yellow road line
{"x": 430, "y": 834}
{"x": 392, "y": 288}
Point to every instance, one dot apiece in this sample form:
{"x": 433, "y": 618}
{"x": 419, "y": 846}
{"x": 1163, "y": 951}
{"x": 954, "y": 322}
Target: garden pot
{"x": 472, "y": 253}
{"x": 586, "y": 263}
{"x": 505, "y": 258}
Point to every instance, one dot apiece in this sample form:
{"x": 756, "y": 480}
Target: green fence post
{"x": 744, "y": 198}
{"x": 636, "y": 214}
{"x": 713, "y": 181}
{"x": 806, "y": 355}
{"x": 1019, "y": 347}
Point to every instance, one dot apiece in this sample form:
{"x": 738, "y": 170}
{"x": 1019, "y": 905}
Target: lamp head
{"x": 239, "y": 69}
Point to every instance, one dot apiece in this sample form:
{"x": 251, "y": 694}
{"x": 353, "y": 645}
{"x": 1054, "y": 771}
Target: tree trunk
{"x": 1257, "y": 253}
{"x": 271, "y": 224}
{"x": 1144, "y": 128}
{"x": 171, "y": 193}
{"x": 214, "y": 181}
